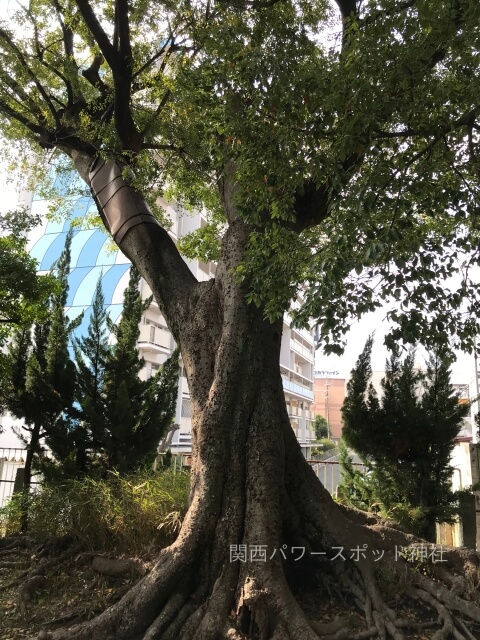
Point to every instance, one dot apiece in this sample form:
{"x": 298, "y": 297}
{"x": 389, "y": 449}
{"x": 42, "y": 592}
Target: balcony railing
{"x": 303, "y": 351}
{"x": 299, "y": 389}
{"x": 152, "y": 336}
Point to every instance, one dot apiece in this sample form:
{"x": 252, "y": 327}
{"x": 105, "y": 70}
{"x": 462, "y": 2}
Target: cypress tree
{"x": 40, "y": 388}
{"x": 90, "y": 357}
{"x": 123, "y": 418}
{"x": 405, "y": 440}
{"x": 137, "y": 412}
{"x": 123, "y": 389}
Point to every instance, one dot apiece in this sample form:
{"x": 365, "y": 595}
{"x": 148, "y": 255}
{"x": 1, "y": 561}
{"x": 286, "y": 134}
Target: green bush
{"x": 325, "y": 443}
{"x": 128, "y": 512}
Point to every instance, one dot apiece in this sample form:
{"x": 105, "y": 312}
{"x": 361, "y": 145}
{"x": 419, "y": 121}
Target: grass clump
{"x": 121, "y": 512}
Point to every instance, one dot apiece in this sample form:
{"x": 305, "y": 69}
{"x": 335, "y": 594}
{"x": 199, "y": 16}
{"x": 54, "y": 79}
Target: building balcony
{"x": 302, "y": 351}
{"x": 298, "y": 389}
{"x": 153, "y": 338}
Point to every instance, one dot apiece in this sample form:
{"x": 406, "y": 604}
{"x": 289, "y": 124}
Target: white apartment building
{"x": 297, "y": 360}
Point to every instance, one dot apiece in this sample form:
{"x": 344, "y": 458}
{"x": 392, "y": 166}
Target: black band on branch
{"x": 120, "y": 205}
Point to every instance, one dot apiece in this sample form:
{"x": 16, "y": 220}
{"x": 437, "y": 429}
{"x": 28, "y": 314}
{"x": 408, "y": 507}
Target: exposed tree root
{"x": 117, "y": 566}
{"x": 13, "y": 564}
{"x": 27, "y": 589}
{"x": 442, "y": 595}
{"x": 194, "y": 594}
{"x": 463, "y": 627}
{"x": 271, "y": 613}
{"x": 184, "y": 598}
{"x": 14, "y": 542}
{"x": 14, "y": 552}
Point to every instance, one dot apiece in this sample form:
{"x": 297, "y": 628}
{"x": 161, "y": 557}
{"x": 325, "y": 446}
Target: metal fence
{"x": 325, "y": 455}
{"x": 329, "y": 473}
{"x": 12, "y": 463}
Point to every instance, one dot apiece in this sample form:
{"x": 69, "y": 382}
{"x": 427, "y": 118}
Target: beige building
{"x": 297, "y": 356}
{"x": 329, "y": 396}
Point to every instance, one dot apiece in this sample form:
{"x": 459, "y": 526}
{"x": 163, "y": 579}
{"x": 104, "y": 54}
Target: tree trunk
{"x": 32, "y": 447}
{"x": 256, "y": 506}
{"x": 430, "y": 530}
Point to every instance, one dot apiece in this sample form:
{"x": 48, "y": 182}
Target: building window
{"x": 186, "y": 408}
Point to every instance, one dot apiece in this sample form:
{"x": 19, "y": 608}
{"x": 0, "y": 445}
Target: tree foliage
{"x": 40, "y": 386}
{"x": 23, "y": 292}
{"x": 320, "y": 426}
{"x": 337, "y": 140}
{"x": 136, "y": 413}
{"x": 406, "y": 439}
{"x": 39, "y": 380}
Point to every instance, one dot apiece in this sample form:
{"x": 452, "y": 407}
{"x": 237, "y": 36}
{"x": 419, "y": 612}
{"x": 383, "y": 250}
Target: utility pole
{"x": 327, "y": 406}
{"x": 477, "y": 393}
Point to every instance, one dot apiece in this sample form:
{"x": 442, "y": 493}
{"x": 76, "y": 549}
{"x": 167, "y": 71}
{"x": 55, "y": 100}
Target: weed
{"x": 118, "y": 512}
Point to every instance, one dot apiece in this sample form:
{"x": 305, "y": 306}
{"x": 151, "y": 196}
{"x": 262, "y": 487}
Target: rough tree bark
{"x": 32, "y": 447}
{"x": 250, "y": 484}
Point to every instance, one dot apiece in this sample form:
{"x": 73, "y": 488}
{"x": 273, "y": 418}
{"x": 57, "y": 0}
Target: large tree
{"x": 333, "y": 149}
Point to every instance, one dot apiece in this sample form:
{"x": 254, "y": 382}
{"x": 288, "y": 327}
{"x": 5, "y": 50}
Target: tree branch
{"x": 347, "y": 8}
{"x": 388, "y": 12}
{"x": 93, "y": 76}
{"x": 20, "y": 57}
{"x": 122, "y": 77}
{"x": 23, "y": 96}
{"x": 31, "y": 126}
{"x": 73, "y": 90}
{"x": 99, "y": 35}
{"x": 67, "y": 33}
{"x": 166, "y": 97}
{"x": 153, "y": 252}
{"x": 168, "y": 44}
{"x": 125, "y": 47}
{"x": 311, "y": 207}
{"x": 40, "y": 55}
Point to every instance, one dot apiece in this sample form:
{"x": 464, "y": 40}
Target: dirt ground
{"x": 68, "y": 588}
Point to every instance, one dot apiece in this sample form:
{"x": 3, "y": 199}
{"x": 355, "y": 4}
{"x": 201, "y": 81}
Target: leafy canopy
{"x": 351, "y": 140}
{"x": 320, "y": 426}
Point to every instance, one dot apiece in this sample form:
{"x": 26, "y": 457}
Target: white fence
{"x": 12, "y": 463}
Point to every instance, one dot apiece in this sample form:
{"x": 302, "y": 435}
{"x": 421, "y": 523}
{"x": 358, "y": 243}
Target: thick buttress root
{"x": 198, "y": 590}
{"x": 181, "y": 599}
